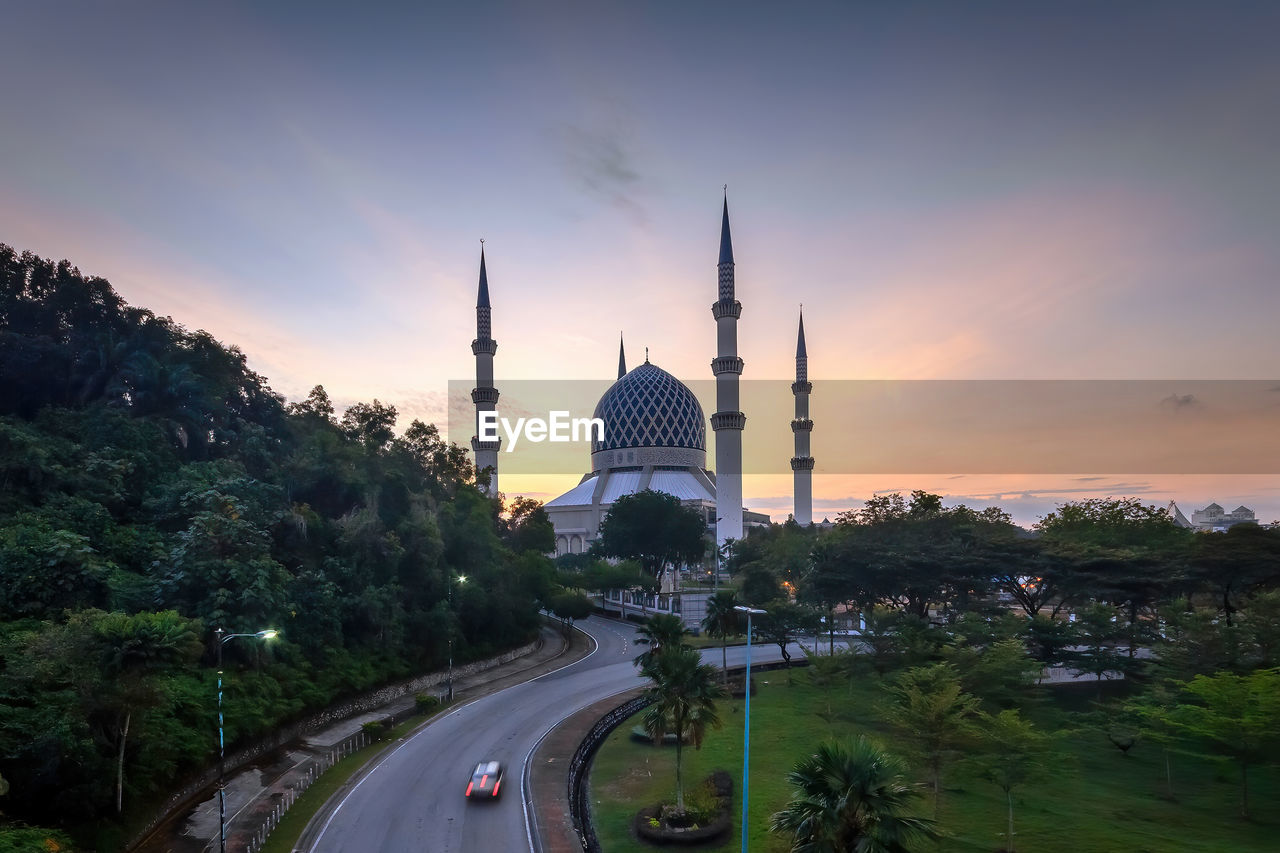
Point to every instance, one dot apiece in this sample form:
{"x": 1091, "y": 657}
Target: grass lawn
{"x": 1096, "y": 801}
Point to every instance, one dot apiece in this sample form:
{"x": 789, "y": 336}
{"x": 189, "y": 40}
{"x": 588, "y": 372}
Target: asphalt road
{"x": 412, "y": 800}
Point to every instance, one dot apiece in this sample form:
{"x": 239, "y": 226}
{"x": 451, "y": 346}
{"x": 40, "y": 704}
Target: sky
{"x": 964, "y": 191}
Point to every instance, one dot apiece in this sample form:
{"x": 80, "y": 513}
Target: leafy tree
{"x": 1238, "y": 716}
{"x": 1233, "y": 565}
{"x": 527, "y": 527}
{"x": 653, "y": 528}
{"x": 933, "y": 715}
{"x": 722, "y": 621}
{"x": 1100, "y": 630}
{"x": 1014, "y": 753}
{"x": 684, "y": 692}
{"x": 825, "y": 672}
{"x": 1049, "y": 640}
{"x": 1118, "y": 551}
{"x": 570, "y": 606}
{"x": 1001, "y": 673}
{"x": 783, "y": 622}
{"x": 851, "y": 796}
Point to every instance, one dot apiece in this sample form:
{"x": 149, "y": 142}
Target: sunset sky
{"x": 954, "y": 191}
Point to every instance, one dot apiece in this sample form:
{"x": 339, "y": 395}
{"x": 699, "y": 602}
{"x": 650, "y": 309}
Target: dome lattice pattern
{"x": 650, "y": 408}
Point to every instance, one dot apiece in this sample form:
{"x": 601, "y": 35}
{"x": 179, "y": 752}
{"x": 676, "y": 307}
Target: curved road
{"x": 413, "y": 798}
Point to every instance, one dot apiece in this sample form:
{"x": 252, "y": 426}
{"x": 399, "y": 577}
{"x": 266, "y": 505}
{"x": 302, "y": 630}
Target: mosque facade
{"x": 655, "y": 430}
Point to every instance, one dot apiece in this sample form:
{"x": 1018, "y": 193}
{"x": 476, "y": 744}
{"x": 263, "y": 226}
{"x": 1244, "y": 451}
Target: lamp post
{"x": 746, "y": 728}
{"x": 223, "y": 638}
{"x": 460, "y": 579}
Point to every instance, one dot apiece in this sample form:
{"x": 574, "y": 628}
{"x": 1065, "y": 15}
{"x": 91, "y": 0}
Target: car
{"x": 486, "y": 781}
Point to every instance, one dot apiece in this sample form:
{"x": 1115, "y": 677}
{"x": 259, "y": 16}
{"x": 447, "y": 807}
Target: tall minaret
{"x": 622, "y": 358}
{"x": 484, "y": 395}
{"x": 728, "y": 420}
{"x": 802, "y": 462}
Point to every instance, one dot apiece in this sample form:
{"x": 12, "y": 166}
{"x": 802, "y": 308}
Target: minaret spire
{"x": 728, "y": 421}
{"x": 485, "y": 395}
{"x": 622, "y": 358}
{"x": 802, "y": 426}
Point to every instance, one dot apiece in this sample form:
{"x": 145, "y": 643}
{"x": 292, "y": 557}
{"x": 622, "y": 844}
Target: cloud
{"x": 1178, "y": 402}
{"x": 598, "y": 163}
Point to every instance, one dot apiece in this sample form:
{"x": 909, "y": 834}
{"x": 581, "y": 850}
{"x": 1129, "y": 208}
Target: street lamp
{"x": 460, "y": 579}
{"x": 746, "y": 728}
{"x": 223, "y": 638}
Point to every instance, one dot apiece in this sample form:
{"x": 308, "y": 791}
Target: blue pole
{"x": 746, "y": 741}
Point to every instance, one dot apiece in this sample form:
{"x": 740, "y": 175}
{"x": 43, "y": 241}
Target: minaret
{"x": 728, "y": 420}
{"x": 484, "y": 395}
{"x": 622, "y": 358}
{"x": 802, "y": 462}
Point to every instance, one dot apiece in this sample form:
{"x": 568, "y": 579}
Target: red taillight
{"x": 496, "y": 786}
{"x": 469, "y": 786}
{"x": 484, "y": 780}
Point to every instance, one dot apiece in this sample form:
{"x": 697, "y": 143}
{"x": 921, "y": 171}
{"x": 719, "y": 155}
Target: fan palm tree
{"x": 684, "y": 694}
{"x": 851, "y": 797}
{"x": 663, "y": 632}
{"x": 721, "y": 621}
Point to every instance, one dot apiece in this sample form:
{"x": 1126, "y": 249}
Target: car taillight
{"x": 496, "y": 785}
{"x": 484, "y": 780}
{"x": 469, "y": 786}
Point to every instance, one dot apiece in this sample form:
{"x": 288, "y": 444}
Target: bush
{"x": 425, "y": 703}
{"x": 377, "y": 729}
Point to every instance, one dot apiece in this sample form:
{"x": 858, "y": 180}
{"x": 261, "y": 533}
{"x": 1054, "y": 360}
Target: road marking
{"x": 389, "y": 755}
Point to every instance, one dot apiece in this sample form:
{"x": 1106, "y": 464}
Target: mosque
{"x": 655, "y": 431}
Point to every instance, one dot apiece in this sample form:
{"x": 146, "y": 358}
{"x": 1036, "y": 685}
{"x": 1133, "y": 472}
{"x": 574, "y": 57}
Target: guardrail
{"x": 287, "y": 797}
{"x": 579, "y": 808}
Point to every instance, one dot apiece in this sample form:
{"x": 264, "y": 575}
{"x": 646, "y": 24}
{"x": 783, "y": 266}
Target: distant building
{"x": 1213, "y": 517}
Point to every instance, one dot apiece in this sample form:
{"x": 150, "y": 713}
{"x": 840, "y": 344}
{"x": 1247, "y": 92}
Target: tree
{"x": 133, "y": 650}
{"x": 569, "y": 606}
{"x": 1001, "y": 673}
{"x": 851, "y": 797}
{"x": 527, "y": 527}
{"x": 684, "y": 693}
{"x": 930, "y": 711}
{"x": 783, "y": 623}
{"x": 1015, "y": 752}
{"x": 1100, "y": 629}
{"x": 721, "y": 621}
{"x": 1237, "y": 715}
{"x": 654, "y": 528}
{"x": 662, "y": 633}
{"x": 1118, "y": 551}
{"x": 1233, "y": 565}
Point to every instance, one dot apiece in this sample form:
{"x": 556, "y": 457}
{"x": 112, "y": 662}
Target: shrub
{"x": 425, "y": 703}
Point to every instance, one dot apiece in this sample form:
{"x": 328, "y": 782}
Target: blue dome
{"x": 650, "y": 408}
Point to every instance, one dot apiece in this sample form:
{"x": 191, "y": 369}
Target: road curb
{"x": 578, "y": 647}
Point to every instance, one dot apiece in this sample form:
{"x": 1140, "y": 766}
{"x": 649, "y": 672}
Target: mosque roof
{"x": 649, "y": 407}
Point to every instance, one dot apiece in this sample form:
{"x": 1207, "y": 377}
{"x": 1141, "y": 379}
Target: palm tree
{"x": 663, "y": 631}
{"x": 684, "y": 691}
{"x": 851, "y": 797}
{"x": 721, "y": 621}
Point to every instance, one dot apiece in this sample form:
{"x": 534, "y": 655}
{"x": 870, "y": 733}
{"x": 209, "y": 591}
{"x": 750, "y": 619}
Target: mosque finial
{"x": 646, "y": 355}
{"x": 622, "y": 357}
{"x": 726, "y": 242}
{"x": 482, "y": 298}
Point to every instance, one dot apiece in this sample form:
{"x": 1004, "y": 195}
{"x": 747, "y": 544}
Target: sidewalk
{"x": 255, "y": 791}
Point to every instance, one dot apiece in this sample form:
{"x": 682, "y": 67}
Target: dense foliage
{"x": 154, "y": 488}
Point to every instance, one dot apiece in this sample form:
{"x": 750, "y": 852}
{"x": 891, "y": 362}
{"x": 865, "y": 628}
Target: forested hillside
{"x": 154, "y": 488}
